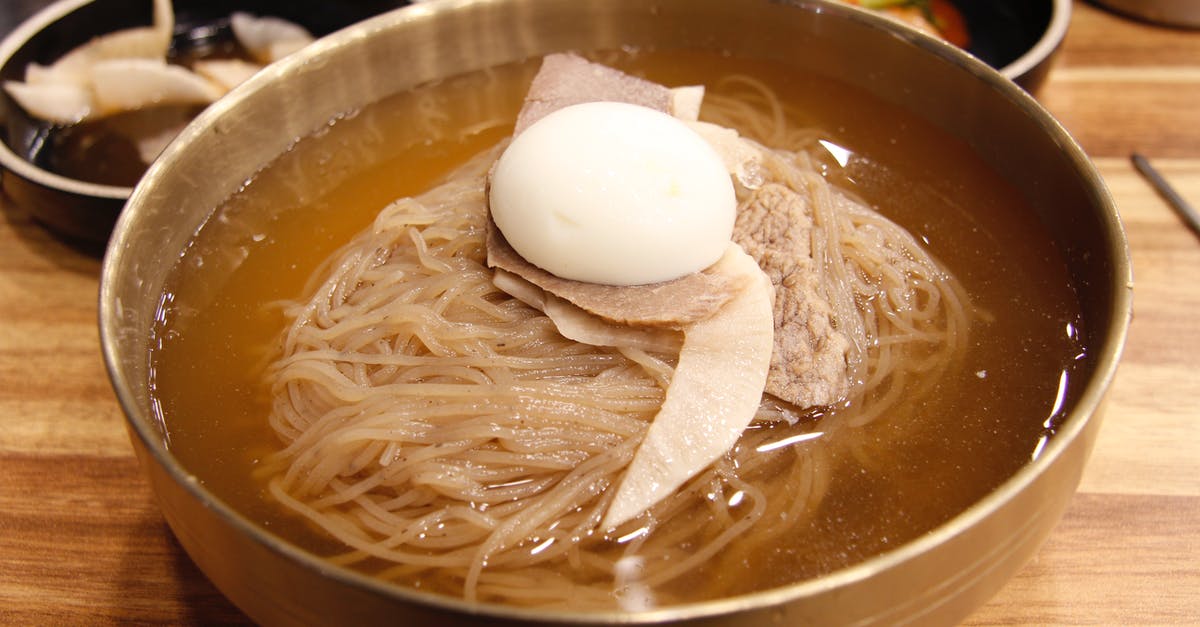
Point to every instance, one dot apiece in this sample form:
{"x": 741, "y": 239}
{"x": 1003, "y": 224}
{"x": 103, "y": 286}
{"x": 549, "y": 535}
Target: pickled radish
{"x": 712, "y": 397}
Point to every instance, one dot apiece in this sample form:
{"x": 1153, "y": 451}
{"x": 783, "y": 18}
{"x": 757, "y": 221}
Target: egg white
{"x": 613, "y": 193}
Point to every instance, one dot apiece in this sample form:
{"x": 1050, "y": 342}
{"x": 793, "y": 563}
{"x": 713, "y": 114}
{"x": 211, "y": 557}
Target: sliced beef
{"x": 670, "y": 304}
{"x": 774, "y": 225}
{"x": 567, "y": 79}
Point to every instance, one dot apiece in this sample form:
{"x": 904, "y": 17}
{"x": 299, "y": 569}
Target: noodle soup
{"x": 802, "y": 495}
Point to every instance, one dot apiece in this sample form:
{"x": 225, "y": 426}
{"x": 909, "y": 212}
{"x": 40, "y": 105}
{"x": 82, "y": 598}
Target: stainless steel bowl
{"x": 936, "y": 579}
{"x": 1182, "y": 13}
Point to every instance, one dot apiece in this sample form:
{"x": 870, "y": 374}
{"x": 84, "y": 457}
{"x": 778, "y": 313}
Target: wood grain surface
{"x": 81, "y": 541}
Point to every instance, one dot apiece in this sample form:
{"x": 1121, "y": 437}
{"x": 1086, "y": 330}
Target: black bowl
{"x": 1017, "y": 37}
{"x": 84, "y": 210}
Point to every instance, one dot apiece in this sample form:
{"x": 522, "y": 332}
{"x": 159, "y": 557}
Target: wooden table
{"x": 81, "y": 540}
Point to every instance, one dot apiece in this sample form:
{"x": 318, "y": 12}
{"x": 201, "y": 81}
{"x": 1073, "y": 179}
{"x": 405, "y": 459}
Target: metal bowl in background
{"x": 1023, "y": 40}
{"x": 1181, "y": 13}
{"x": 937, "y": 579}
{"x": 85, "y": 210}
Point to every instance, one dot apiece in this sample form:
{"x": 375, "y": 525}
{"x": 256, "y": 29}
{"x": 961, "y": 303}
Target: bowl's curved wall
{"x": 937, "y": 579}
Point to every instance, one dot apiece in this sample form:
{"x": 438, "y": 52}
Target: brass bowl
{"x": 937, "y": 579}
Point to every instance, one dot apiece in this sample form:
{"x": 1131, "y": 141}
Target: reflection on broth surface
{"x": 862, "y": 490}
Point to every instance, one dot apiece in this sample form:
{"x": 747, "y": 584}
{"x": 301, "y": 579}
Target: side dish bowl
{"x": 1033, "y": 31}
{"x": 85, "y": 210}
{"x": 937, "y": 579}
{"x": 1020, "y": 38}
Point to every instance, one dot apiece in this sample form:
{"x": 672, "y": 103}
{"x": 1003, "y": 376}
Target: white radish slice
{"x": 712, "y": 397}
{"x": 143, "y": 42}
{"x": 686, "y": 101}
{"x": 740, "y": 157}
{"x": 129, "y": 84}
{"x": 57, "y": 103}
{"x": 46, "y": 75}
{"x": 226, "y": 73}
{"x": 268, "y": 39}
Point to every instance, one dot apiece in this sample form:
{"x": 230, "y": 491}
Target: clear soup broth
{"x": 884, "y": 484}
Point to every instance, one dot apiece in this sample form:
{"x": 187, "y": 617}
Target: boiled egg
{"x": 613, "y": 193}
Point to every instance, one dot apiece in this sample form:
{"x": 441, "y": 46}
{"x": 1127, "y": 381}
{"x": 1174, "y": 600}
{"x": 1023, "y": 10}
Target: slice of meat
{"x": 808, "y": 366}
{"x": 579, "y": 325}
{"x": 567, "y": 79}
{"x": 670, "y": 304}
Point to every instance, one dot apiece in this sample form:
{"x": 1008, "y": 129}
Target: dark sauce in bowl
{"x": 105, "y": 150}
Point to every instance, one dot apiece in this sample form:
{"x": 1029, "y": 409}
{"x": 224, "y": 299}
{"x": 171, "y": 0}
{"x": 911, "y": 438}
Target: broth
{"x": 978, "y": 426}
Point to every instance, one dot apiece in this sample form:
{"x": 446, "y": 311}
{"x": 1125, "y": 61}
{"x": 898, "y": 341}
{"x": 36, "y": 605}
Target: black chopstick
{"x": 1181, "y": 206}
